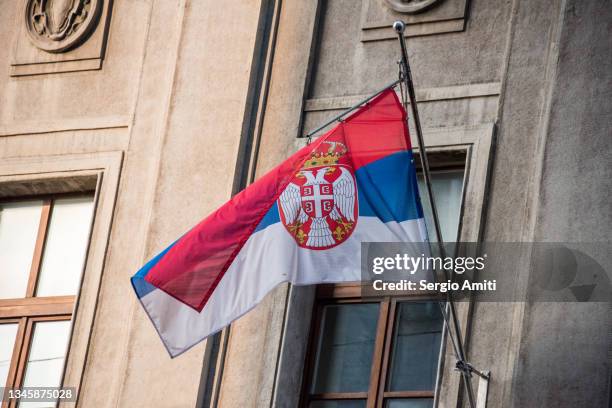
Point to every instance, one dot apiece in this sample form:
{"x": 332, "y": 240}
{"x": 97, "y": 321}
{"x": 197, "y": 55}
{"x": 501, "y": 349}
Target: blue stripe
{"x": 270, "y": 218}
{"x": 388, "y": 189}
{"x": 141, "y": 286}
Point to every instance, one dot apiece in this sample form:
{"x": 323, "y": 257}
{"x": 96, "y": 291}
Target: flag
{"x": 303, "y": 222}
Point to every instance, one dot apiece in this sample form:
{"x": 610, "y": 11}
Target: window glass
{"x": 416, "y": 346}
{"x": 410, "y": 403}
{"x": 338, "y": 404}
{"x": 18, "y": 231}
{"x": 8, "y": 332}
{"x": 65, "y": 247}
{"x": 47, "y": 352}
{"x": 447, "y": 187}
{"x": 346, "y": 344}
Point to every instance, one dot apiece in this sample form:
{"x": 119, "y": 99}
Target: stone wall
{"x": 173, "y": 104}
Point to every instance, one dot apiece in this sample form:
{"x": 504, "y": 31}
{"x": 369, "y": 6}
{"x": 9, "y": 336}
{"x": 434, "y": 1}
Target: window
{"x": 43, "y": 245}
{"x": 381, "y": 352}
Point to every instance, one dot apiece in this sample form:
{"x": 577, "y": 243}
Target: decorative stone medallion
{"x": 411, "y": 6}
{"x": 59, "y": 25}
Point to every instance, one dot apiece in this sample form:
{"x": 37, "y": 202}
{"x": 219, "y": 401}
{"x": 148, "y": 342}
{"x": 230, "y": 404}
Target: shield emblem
{"x": 319, "y": 206}
{"x": 317, "y": 199}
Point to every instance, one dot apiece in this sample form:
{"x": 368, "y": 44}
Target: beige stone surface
{"x": 170, "y": 97}
{"x": 255, "y": 339}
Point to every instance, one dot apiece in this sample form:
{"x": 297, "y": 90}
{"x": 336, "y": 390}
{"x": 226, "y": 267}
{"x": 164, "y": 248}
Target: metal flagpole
{"x": 462, "y": 365}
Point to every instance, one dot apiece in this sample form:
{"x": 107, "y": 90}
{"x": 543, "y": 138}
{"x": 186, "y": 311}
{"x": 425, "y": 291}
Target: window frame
{"x": 75, "y": 173}
{"x": 323, "y": 301}
{"x": 30, "y": 309}
{"x": 350, "y": 293}
{"x": 441, "y": 160}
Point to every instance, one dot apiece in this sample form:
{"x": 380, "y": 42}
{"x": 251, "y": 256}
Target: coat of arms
{"x": 319, "y": 205}
{"x": 59, "y": 25}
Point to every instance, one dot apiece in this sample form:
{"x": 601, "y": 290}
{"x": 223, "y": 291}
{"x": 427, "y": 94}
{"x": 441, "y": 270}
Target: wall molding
{"x": 63, "y": 125}
{"x": 423, "y": 95}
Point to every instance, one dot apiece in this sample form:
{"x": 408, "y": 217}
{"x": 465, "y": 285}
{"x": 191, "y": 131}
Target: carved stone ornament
{"x": 59, "y": 25}
{"x": 411, "y": 6}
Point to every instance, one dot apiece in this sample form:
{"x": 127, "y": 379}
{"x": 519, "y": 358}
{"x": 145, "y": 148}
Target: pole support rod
{"x": 349, "y": 110}
{"x": 399, "y": 27}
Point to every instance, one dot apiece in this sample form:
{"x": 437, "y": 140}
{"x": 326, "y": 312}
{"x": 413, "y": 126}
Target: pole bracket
{"x": 483, "y": 381}
{"x": 466, "y": 367}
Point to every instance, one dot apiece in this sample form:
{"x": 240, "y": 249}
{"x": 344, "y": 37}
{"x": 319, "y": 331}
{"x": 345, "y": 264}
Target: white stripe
{"x": 269, "y": 258}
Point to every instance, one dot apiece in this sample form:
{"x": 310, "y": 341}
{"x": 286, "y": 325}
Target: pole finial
{"x": 399, "y": 26}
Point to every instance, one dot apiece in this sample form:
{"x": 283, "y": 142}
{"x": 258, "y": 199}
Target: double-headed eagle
{"x": 343, "y": 193}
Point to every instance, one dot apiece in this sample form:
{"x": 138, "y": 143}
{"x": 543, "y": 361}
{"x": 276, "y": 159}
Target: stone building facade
{"x": 160, "y": 110}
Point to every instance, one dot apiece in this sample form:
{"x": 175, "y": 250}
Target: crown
{"x": 321, "y": 159}
{"x": 333, "y": 154}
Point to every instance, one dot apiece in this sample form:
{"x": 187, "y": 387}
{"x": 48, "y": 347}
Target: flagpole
{"x": 462, "y": 365}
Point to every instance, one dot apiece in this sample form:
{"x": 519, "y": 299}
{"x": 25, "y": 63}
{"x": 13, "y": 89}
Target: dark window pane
{"x": 416, "y": 345}
{"x": 409, "y": 403}
{"x": 345, "y": 347}
{"x": 338, "y": 404}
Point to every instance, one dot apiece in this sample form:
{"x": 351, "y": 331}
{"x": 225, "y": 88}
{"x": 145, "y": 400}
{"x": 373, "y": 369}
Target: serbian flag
{"x": 303, "y": 222}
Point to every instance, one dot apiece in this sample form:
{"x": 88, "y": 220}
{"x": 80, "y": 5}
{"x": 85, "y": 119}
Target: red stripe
{"x": 194, "y": 266}
{"x": 377, "y": 130}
